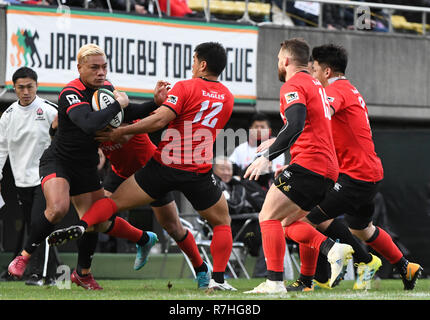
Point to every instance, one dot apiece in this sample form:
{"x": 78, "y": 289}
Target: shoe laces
{"x": 21, "y": 262}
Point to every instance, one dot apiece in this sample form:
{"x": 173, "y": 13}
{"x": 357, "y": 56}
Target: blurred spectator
{"x": 138, "y": 6}
{"x": 244, "y": 154}
{"x": 410, "y": 16}
{"x": 334, "y": 17}
{"x": 243, "y": 196}
{"x": 178, "y": 8}
{"x": 303, "y": 13}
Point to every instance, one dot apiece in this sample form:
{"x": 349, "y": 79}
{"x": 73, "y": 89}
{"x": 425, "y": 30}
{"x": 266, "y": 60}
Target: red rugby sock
{"x": 100, "y": 211}
{"x": 303, "y": 233}
{"x": 189, "y": 247}
{"x": 123, "y": 229}
{"x": 308, "y": 260}
{"x": 384, "y": 245}
{"x": 221, "y": 246}
{"x": 274, "y": 244}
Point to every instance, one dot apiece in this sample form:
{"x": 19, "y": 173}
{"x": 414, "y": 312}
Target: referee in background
{"x": 25, "y": 132}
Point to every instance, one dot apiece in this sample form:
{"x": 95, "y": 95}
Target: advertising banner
{"x": 140, "y": 50}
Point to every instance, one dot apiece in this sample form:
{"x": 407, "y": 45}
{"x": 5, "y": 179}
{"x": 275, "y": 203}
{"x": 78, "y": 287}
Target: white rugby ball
{"x": 102, "y": 98}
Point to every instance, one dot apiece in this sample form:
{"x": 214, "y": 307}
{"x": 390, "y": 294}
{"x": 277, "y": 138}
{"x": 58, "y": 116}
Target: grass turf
{"x": 185, "y": 289}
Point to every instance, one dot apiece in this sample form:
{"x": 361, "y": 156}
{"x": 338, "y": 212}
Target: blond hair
{"x": 87, "y": 50}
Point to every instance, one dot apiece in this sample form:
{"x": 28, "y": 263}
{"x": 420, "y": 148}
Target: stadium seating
{"x": 202, "y": 233}
{"x": 400, "y": 23}
{"x": 232, "y": 8}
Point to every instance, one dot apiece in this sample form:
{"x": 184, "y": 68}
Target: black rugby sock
{"x": 306, "y": 280}
{"x": 39, "y": 230}
{"x": 402, "y": 266}
{"x": 86, "y": 247}
{"x": 323, "y": 271}
{"x": 326, "y": 245}
{"x": 143, "y": 239}
{"x": 338, "y": 230}
{"x": 218, "y": 277}
{"x": 202, "y": 268}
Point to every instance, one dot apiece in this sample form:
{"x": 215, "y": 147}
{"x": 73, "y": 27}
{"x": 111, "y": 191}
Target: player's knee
{"x": 363, "y": 233}
{"x": 101, "y": 227}
{"x": 174, "y": 229}
{"x": 317, "y": 216}
{"x": 56, "y": 211}
{"x": 177, "y": 232}
{"x": 219, "y": 220}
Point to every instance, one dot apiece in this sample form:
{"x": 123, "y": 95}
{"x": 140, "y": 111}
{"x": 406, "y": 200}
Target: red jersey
{"x": 202, "y": 109}
{"x": 314, "y": 148}
{"x": 127, "y": 158}
{"x": 352, "y": 134}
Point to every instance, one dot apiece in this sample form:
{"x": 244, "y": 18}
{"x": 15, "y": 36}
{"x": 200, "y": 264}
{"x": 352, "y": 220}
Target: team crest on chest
{"x": 39, "y": 114}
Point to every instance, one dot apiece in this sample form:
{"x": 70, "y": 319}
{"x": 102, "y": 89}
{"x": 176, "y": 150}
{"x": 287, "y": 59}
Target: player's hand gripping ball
{"x": 103, "y": 98}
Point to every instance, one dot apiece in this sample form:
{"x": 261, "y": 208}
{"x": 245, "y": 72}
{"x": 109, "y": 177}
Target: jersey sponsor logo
{"x": 213, "y": 94}
{"x": 72, "y": 99}
{"x": 291, "y": 96}
{"x": 172, "y": 99}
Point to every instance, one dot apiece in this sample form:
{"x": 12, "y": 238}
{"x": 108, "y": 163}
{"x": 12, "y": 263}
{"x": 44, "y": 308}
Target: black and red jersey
{"x": 71, "y": 143}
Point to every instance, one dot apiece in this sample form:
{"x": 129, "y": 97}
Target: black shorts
{"x": 351, "y": 198}
{"x": 200, "y": 189}
{"x": 112, "y": 182}
{"x": 81, "y": 179}
{"x": 302, "y": 186}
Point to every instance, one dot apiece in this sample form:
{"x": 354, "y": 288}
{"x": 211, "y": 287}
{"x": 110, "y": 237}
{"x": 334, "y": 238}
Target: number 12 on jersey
{"x": 210, "y": 119}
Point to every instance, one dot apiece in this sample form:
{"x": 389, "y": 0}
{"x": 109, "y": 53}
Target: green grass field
{"x": 185, "y": 289}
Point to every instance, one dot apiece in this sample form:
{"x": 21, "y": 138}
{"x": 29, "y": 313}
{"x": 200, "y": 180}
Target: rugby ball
{"x": 103, "y": 98}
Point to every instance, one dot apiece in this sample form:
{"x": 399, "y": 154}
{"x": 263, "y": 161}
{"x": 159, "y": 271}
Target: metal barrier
{"x": 357, "y": 5}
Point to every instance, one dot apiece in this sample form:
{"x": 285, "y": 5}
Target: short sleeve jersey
{"x": 314, "y": 148}
{"x": 202, "y": 109}
{"x": 352, "y": 133}
{"x": 126, "y": 159}
{"x": 71, "y": 143}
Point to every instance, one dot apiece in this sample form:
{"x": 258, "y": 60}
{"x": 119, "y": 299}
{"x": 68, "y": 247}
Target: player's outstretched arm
{"x": 137, "y": 111}
{"x": 296, "y": 117}
{"x": 156, "y": 121}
